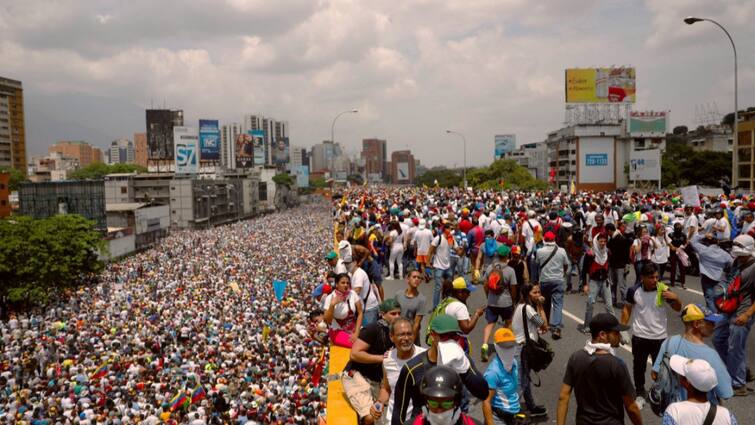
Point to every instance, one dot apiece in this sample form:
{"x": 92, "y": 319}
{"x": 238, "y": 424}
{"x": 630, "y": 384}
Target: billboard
{"x": 244, "y": 151}
{"x": 648, "y": 124}
{"x": 209, "y": 140}
{"x": 258, "y": 146}
{"x": 504, "y": 143}
{"x": 645, "y": 165}
{"x": 302, "y": 175}
{"x": 600, "y": 85}
{"x": 186, "y": 153}
{"x": 402, "y": 171}
{"x": 596, "y": 160}
{"x": 281, "y": 151}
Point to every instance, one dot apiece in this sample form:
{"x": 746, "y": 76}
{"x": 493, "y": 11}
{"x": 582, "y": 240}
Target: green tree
{"x": 681, "y": 165}
{"x": 39, "y": 258}
{"x": 318, "y": 183}
{"x": 99, "y": 170}
{"x": 506, "y": 171}
{"x": 16, "y": 177}
{"x": 355, "y": 179}
{"x": 444, "y": 176}
{"x": 284, "y": 179}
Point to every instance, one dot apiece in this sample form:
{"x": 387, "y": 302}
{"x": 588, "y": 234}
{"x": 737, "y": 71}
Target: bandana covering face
{"x": 506, "y": 355}
{"x": 442, "y": 418}
{"x": 591, "y": 347}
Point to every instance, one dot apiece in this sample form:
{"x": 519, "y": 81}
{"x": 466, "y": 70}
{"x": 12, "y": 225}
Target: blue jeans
{"x": 554, "y": 302}
{"x": 598, "y": 287}
{"x": 439, "y": 275}
{"x": 370, "y": 316}
{"x": 709, "y": 287}
{"x": 524, "y": 379}
{"x": 730, "y": 340}
{"x": 578, "y": 266}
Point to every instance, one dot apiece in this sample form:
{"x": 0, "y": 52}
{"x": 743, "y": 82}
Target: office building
{"x": 83, "y": 197}
{"x": 744, "y": 174}
{"x": 121, "y": 152}
{"x": 228, "y": 135}
{"x": 323, "y": 155}
{"x": 5, "y": 208}
{"x": 53, "y": 167}
{"x": 375, "y": 157}
{"x": 85, "y": 153}
{"x": 274, "y": 131}
{"x": 533, "y": 157}
{"x": 12, "y": 127}
{"x": 141, "y": 153}
{"x": 402, "y": 167}
{"x": 160, "y": 123}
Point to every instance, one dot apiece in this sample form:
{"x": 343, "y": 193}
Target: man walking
{"x": 413, "y": 303}
{"x": 551, "y": 264}
{"x": 440, "y": 251}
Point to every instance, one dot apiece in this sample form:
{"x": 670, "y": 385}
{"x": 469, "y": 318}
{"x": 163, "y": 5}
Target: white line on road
{"x": 694, "y": 291}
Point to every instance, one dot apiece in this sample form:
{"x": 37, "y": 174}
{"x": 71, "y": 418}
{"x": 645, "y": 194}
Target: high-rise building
{"x": 140, "y": 149}
{"x": 85, "y": 153}
{"x": 744, "y": 174}
{"x": 299, "y": 156}
{"x": 12, "y": 129}
{"x": 375, "y": 156}
{"x": 274, "y": 131}
{"x": 323, "y": 155}
{"x": 402, "y": 167}
{"x": 121, "y": 152}
{"x": 160, "y": 123}
{"x": 228, "y": 135}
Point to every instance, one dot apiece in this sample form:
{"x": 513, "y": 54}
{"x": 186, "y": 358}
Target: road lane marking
{"x": 694, "y": 291}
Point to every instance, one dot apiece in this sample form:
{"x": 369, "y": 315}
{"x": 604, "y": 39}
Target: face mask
{"x": 506, "y": 355}
{"x": 442, "y": 418}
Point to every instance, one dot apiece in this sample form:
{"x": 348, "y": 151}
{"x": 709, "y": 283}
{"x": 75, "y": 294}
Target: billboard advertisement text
{"x": 302, "y": 175}
{"x": 186, "y": 150}
{"x": 645, "y": 165}
{"x": 504, "y": 143}
{"x": 281, "y": 151}
{"x": 648, "y": 124}
{"x": 209, "y": 140}
{"x": 600, "y": 85}
{"x": 596, "y": 160}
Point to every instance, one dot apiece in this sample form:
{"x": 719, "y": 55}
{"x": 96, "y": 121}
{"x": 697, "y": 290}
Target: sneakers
{"x": 556, "y": 333}
{"x": 640, "y": 400}
{"x": 485, "y": 353}
{"x": 741, "y": 391}
{"x": 538, "y": 410}
{"x": 584, "y": 329}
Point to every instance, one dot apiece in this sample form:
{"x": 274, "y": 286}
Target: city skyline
{"x": 412, "y": 71}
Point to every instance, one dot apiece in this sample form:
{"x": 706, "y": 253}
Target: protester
{"x": 440, "y": 251}
{"x": 413, "y": 303}
{"x": 501, "y": 290}
{"x": 713, "y": 261}
{"x": 618, "y": 247}
{"x": 596, "y": 282}
{"x": 698, "y": 378}
{"x": 551, "y": 264}
{"x": 442, "y": 390}
{"x": 343, "y": 311}
{"x": 502, "y": 376}
{"x": 396, "y": 242}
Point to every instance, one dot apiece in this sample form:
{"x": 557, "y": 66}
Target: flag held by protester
{"x": 178, "y": 400}
{"x": 279, "y": 287}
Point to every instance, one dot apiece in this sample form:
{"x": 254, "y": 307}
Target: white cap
{"x": 422, "y": 224}
{"x": 698, "y": 372}
{"x": 743, "y": 246}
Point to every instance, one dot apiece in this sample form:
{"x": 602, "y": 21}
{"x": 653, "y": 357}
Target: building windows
{"x": 744, "y": 171}
{"x": 745, "y": 154}
{"x": 124, "y": 190}
{"x": 263, "y": 191}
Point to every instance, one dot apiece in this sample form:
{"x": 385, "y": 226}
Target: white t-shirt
{"x": 661, "y": 252}
{"x": 392, "y": 365}
{"x": 458, "y": 310}
{"x": 691, "y": 413}
{"x": 518, "y": 327}
{"x": 690, "y": 221}
{"x": 442, "y": 258}
{"x": 648, "y": 321}
{"x": 340, "y": 267}
{"x": 340, "y": 311}
{"x": 360, "y": 283}
{"x": 423, "y": 238}
{"x": 398, "y": 242}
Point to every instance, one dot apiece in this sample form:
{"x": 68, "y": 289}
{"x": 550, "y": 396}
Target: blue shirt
{"x": 679, "y": 345}
{"x": 505, "y": 384}
{"x": 713, "y": 259}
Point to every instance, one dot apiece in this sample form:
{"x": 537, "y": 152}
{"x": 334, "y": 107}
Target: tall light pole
{"x": 735, "y": 157}
{"x": 464, "y": 170}
{"x": 333, "y": 126}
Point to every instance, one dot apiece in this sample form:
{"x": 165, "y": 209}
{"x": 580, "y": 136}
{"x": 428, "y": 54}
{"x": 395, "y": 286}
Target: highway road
{"x": 572, "y": 340}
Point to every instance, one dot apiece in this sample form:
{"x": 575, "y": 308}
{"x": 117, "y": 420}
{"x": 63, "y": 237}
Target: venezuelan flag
{"x": 101, "y": 371}
{"x": 198, "y": 394}
{"x": 179, "y": 400}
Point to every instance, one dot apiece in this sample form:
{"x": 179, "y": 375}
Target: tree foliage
{"x": 99, "y": 170}
{"x": 16, "y": 177}
{"x": 444, "y": 176}
{"x": 318, "y": 183}
{"x": 355, "y": 179}
{"x": 283, "y": 179}
{"x": 681, "y": 165}
{"x": 41, "y": 257}
{"x": 506, "y": 174}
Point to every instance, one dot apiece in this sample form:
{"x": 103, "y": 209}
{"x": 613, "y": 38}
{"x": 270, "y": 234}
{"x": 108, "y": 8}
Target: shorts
{"x": 492, "y": 313}
{"x": 423, "y": 259}
{"x": 360, "y": 392}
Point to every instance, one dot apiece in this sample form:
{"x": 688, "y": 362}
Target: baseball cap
{"x": 516, "y": 249}
{"x": 743, "y": 246}
{"x": 504, "y": 336}
{"x": 549, "y": 237}
{"x": 444, "y": 323}
{"x": 461, "y": 283}
{"x": 606, "y": 322}
{"x": 331, "y": 255}
{"x": 503, "y": 250}
{"x": 389, "y": 305}
{"x": 698, "y": 372}
{"x": 692, "y": 312}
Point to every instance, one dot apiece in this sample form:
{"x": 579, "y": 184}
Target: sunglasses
{"x": 445, "y": 404}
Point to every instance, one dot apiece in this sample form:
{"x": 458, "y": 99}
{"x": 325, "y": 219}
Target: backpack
{"x": 495, "y": 282}
{"x": 728, "y": 292}
{"x": 440, "y": 309}
{"x": 665, "y": 389}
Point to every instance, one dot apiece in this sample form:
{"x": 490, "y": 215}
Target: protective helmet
{"x": 441, "y": 382}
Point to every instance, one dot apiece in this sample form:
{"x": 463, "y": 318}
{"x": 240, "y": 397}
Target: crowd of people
{"x": 526, "y": 250}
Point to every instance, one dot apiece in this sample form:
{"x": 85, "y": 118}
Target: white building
{"x": 228, "y": 134}
{"x": 121, "y": 152}
{"x": 533, "y": 157}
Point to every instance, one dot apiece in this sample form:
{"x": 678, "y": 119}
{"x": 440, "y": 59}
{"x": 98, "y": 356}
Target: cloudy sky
{"x": 413, "y": 68}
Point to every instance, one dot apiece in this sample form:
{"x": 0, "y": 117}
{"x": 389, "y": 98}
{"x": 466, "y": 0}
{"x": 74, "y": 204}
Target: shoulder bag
{"x": 538, "y": 354}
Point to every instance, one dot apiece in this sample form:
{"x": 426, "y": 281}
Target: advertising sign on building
{"x": 600, "y": 85}
{"x": 402, "y": 169}
{"x": 504, "y": 143}
{"x": 645, "y": 165}
{"x": 209, "y": 140}
{"x": 596, "y": 160}
{"x": 302, "y": 175}
{"x": 281, "y": 151}
{"x": 648, "y": 123}
{"x": 258, "y": 146}
{"x": 186, "y": 150}
{"x": 244, "y": 151}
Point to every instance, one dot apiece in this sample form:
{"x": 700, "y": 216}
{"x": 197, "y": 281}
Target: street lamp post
{"x": 333, "y": 126}
{"x": 735, "y": 158}
{"x": 464, "y": 170}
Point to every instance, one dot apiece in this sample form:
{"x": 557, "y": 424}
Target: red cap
{"x": 415, "y": 220}
{"x": 549, "y": 237}
{"x": 516, "y": 249}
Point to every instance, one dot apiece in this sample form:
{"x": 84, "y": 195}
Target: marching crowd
{"x": 232, "y": 324}
{"x": 526, "y": 251}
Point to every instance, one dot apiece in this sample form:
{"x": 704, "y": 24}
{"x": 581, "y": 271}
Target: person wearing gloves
{"x": 649, "y": 322}
{"x": 587, "y": 371}
{"x": 698, "y": 378}
{"x": 444, "y": 350}
{"x": 502, "y": 375}
{"x": 442, "y": 390}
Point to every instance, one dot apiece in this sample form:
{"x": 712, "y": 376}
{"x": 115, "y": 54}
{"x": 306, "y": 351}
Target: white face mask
{"x": 448, "y": 417}
{"x": 506, "y": 355}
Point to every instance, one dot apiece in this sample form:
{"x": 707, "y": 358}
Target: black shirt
{"x": 599, "y": 381}
{"x": 377, "y": 336}
{"x": 677, "y": 239}
{"x": 619, "y": 247}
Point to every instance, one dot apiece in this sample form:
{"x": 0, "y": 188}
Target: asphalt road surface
{"x": 572, "y": 340}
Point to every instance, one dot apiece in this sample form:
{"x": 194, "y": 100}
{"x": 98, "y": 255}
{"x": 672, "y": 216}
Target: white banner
{"x": 645, "y": 165}
{"x": 691, "y": 196}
